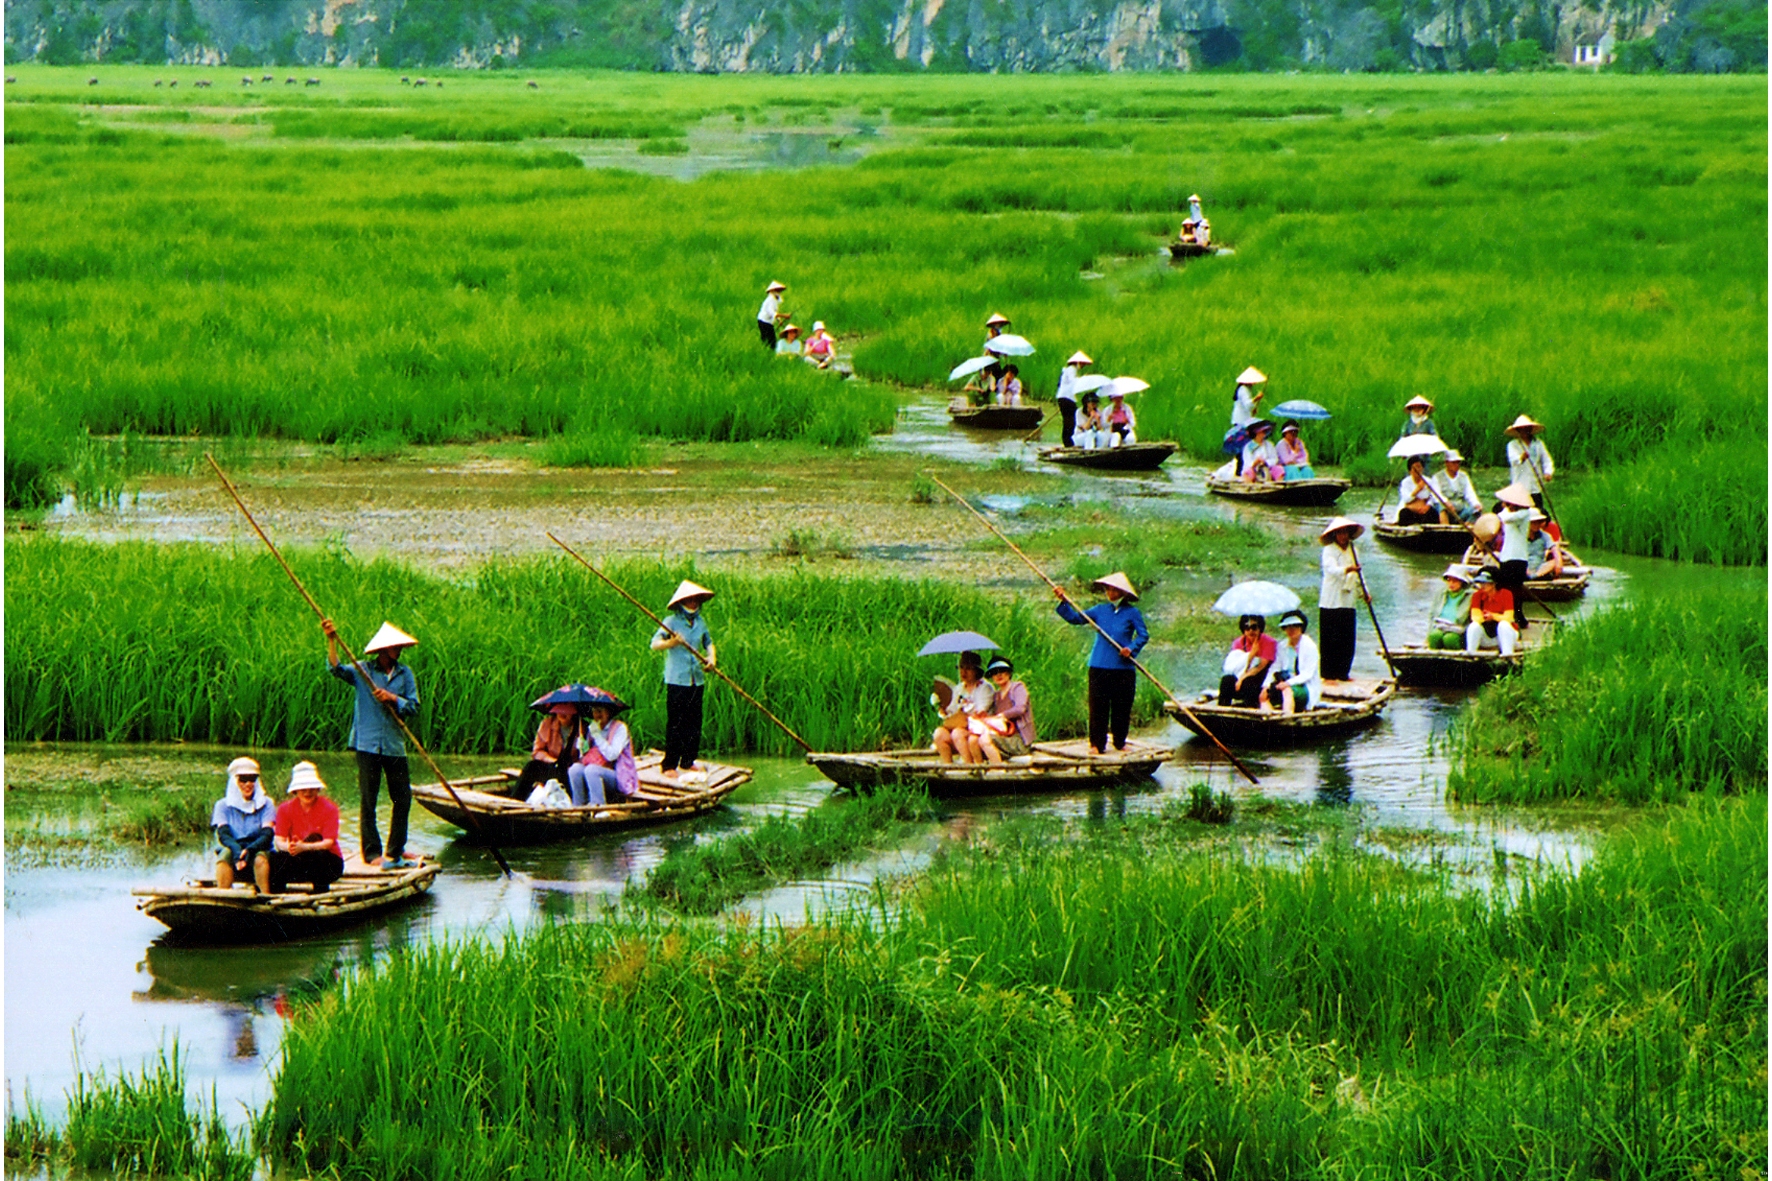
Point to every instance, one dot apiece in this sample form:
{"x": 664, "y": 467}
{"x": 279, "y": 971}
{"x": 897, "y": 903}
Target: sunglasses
{"x": 247, "y": 778}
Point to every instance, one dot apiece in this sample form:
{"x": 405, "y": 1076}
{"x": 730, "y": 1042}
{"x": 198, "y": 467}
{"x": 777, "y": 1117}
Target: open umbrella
{"x": 968, "y": 368}
{"x": 1300, "y": 408}
{"x": 1129, "y": 385}
{"x": 1009, "y": 345}
{"x": 1256, "y": 598}
{"x": 1410, "y": 446}
{"x": 582, "y": 696}
{"x": 948, "y": 642}
{"x": 1091, "y": 383}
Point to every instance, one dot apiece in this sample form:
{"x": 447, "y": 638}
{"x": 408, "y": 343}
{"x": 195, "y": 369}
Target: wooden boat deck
{"x": 1133, "y": 457}
{"x": 1322, "y": 490}
{"x": 200, "y": 910}
{"x": 1344, "y": 706}
{"x": 1053, "y": 766}
{"x": 994, "y": 418}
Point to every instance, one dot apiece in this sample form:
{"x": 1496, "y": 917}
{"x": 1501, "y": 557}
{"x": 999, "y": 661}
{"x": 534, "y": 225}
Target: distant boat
{"x": 994, "y": 418}
{"x": 1052, "y": 766}
{"x": 1132, "y": 457}
{"x": 1423, "y": 539}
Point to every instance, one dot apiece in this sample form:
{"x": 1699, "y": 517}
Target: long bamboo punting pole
{"x": 1450, "y": 511}
{"x": 988, "y": 524}
{"x": 713, "y": 668}
{"x": 355, "y": 663}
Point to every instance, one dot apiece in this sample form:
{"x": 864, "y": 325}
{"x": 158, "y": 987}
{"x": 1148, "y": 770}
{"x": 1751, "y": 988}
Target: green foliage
{"x": 1208, "y": 807}
{"x": 146, "y": 1125}
{"x": 1481, "y": 55}
{"x": 1668, "y": 503}
{"x": 1651, "y": 700}
{"x": 608, "y": 447}
{"x": 1524, "y": 54}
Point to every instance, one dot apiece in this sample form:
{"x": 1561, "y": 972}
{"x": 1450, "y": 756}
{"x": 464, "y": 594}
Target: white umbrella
{"x": 968, "y": 368}
{"x": 1410, "y": 446}
{"x": 1091, "y": 383}
{"x": 1256, "y": 598}
{"x": 1009, "y": 345}
{"x": 1130, "y": 385}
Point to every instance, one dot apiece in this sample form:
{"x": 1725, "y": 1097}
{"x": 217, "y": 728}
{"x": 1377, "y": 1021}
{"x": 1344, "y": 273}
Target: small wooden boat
{"x": 1053, "y": 766}
{"x": 502, "y": 820}
{"x": 1133, "y": 457}
{"x": 1568, "y": 586}
{"x": 1421, "y": 667}
{"x": 1318, "y": 491}
{"x": 994, "y": 418}
{"x": 1347, "y": 706}
{"x": 1423, "y": 539}
{"x": 1181, "y": 249}
{"x": 202, "y": 911}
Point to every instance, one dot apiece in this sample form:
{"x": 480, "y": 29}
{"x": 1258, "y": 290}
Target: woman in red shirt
{"x": 305, "y": 847}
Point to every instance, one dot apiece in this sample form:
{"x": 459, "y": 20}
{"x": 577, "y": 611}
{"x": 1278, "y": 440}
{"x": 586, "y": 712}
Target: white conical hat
{"x": 1523, "y": 423}
{"x": 1341, "y": 523}
{"x": 1193, "y": 196}
{"x": 688, "y": 590}
{"x": 1080, "y": 358}
{"x": 776, "y": 286}
{"x": 996, "y": 318}
{"x": 1119, "y": 582}
{"x": 1515, "y": 495}
{"x": 388, "y": 637}
{"x": 1420, "y": 401}
{"x": 1251, "y": 376}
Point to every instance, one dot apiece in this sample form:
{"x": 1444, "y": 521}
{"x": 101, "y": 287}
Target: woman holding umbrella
{"x": 1337, "y": 597}
{"x": 555, "y": 749}
{"x": 609, "y": 753}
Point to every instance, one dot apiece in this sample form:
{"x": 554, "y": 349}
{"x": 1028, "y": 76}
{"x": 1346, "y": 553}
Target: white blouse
{"x": 1341, "y": 582}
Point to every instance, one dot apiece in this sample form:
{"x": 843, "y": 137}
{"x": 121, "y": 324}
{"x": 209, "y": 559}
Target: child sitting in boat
{"x": 1089, "y": 430}
{"x": 1492, "y": 617}
{"x": 1008, "y": 731}
{"x": 1295, "y": 459}
{"x": 244, "y": 822}
{"x": 608, "y": 759}
{"x": 305, "y": 844}
{"x": 1451, "y": 616}
{"x": 1296, "y": 669}
{"x": 1120, "y": 423}
{"x": 1246, "y": 665}
{"x": 973, "y": 697}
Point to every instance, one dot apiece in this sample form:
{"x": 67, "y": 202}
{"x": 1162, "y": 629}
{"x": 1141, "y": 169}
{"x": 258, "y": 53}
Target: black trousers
{"x": 1335, "y": 641}
{"x": 1407, "y": 516}
{"x": 1249, "y": 696}
{"x": 682, "y": 726}
{"x": 1110, "y": 705}
{"x": 1067, "y": 422}
{"x": 370, "y": 769}
{"x": 539, "y": 771}
{"x": 1512, "y": 577}
{"x": 320, "y": 867}
{"x": 767, "y": 331}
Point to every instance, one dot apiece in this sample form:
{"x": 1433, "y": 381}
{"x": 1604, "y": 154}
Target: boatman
{"x": 389, "y": 689}
{"x": 768, "y": 313}
{"x": 684, "y": 633}
{"x": 1067, "y": 395}
{"x": 1113, "y": 677}
{"x": 994, "y": 326}
{"x": 1528, "y": 460}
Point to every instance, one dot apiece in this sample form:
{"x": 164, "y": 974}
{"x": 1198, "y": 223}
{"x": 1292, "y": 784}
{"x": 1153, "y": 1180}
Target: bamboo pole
{"x": 986, "y": 521}
{"x": 1451, "y": 512}
{"x": 355, "y": 663}
{"x": 713, "y": 668}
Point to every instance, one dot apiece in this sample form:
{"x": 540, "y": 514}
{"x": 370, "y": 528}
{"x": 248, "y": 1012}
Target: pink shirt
{"x": 550, "y": 739}
{"x": 613, "y": 749}
{"x": 1012, "y": 704}
{"x": 1293, "y": 453}
{"x": 1265, "y": 647}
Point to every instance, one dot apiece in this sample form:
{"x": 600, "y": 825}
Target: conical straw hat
{"x": 1119, "y": 582}
{"x": 776, "y": 286}
{"x": 1251, "y": 376}
{"x": 996, "y": 318}
{"x": 1341, "y": 523}
{"x": 689, "y": 590}
{"x": 1080, "y": 358}
{"x": 388, "y": 637}
{"x": 1486, "y": 527}
{"x": 1523, "y": 423}
{"x": 1420, "y": 401}
{"x": 1515, "y": 495}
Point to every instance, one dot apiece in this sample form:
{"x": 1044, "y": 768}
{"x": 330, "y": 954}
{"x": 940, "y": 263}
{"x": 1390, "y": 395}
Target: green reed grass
{"x": 1650, "y": 700}
{"x": 1670, "y": 504}
{"x": 704, "y": 877}
{"x": 1088, "y": 1010}
{"x": 146, "y": 1125}
{"x": 161, "y": 643}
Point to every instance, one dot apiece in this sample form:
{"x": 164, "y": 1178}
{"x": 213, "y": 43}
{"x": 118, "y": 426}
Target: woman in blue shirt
{"x": 1113, "y": 678}
{"x": 685, "y": 632}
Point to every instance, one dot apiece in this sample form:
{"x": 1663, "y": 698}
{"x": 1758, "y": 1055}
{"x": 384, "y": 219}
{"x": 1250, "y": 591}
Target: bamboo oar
{"x": 355, "y": 663}
{"x": 986, "y": 521}
{"x": 1373, "y": 612}
{"x": 1543, "y": 484}
{"x": 713, "y": 668}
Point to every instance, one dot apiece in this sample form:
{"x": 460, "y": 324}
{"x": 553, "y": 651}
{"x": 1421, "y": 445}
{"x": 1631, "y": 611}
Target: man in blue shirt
{"x": 376, "y": 738}
{"x": 685, "y": 632}
{"x": 1113, "y": 678}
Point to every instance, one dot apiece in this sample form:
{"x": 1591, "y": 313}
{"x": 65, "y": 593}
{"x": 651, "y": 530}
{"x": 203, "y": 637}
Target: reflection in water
{"x": 1335, "y": 777}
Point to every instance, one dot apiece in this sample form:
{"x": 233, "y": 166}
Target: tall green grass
{"x": 1086, "y": 1010}
{"x": 135, "y": 642}
{"x": 1647, "y": 701}
{"x": 1673, "y": 502}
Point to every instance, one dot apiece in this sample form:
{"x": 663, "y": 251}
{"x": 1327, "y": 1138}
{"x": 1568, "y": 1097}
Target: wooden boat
{"x": 1423, "y": 539}
{"x": 994, "y": 418}
{"x": 1344, "y": 707}
{"x": 202, "y": 911}
{"x": 1053, "y": 766}
{"x": 1319, "y": 491}
{"x": 1181, "y": 250}
{"x": 1421, "y": 667}
{"x": 1133, "y": 457}
{"x": 502, "y": 820}
{"x": 1565, "y": 588}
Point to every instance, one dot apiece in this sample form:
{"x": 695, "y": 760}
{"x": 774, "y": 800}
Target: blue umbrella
{"x": 1300, "y": 408}
{"x": 1256, "y": 598}
{"x": 948, "y": 642}
{"x": 581, "y": 696}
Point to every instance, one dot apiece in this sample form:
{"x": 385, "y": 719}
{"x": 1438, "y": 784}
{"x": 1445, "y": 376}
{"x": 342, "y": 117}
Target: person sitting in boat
{"x": 1295, "y": 460}
{"x": 244, "y": 822}
{"x": 1090, "y": 432}
{"x": 1120, "y": 423}
{"x": 1009, "y": 389}
{"x": 1246, "y": 665}
{"x": 1186, "y": 236}
{"x": 1418, "y": 422}
{"x": 1528, "y": 462}
{"x": 1492, "y": 617}
{"x": 1544, "y": 556}
{"x": 821, "y": 349}
{"x": 1113, "y": 673}
{"x": 1261, "y": 459}
{"x": 1415, "y": 498}
{"x": 554, "y": 751}
{"x": 973, "y": 697}
{"x": 305, "y": 841}
{"x": 607, "y": 769}
{"x": 1007, "y": 732}
{"x": 1458, "y": 496}
{"x": 1451, "y": 616}
{"x": 1296, "y": 671}
{"x": 983, "y": 384}
{"x": 789, "y": 345}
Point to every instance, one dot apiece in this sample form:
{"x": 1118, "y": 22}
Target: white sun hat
{"x": 1456, "y": 571}
{"x": 996, "y": 318}
{"x": 689, "y": 590}
{"x": 1251, "y": 376}
{"x": 388, "y": 637}
{"x": 1080, "y": 358}
{"x": 776, "y": 286}
{"x": 1420, "y": 401}
{"x": 304, "y": 776}
{"x": 1119, "y": 582}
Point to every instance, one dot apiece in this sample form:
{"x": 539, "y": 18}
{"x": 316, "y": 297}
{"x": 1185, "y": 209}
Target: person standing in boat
{"x": 685, "y": 632}
{"x": 554, "y": 751}
{"x": 1459, "y": 495}
{"x": 994, "y": 326}
{"x": 1415, "y": 498}
{"x": 607, "y": 770}
{"x": 1246, "y": 665}
{"x": 1338, "y": 596}
{"x": 1514, "y": 508}
{"x": 1113, "y": 677}
{"x": 1418, "y": 422}
{"x": 1296, "y": 672}
{"x": 385, "y": 688}
{"x": 1528, "y": 461}
{"x": 305, "y": 840}
{"x": 1295, "y": 460}
{"x": 1008, "y": 730}
{"x": 1451, "y": 616}
{"x": 1120, "y": 423}
{"x": 1491, "y": 614}
{"x": 244, "y": 822}
{"x": 1243, "y": 402}
{"x": 769, "y": 313}
{"x": 973, "y": 697}
{"x": 1067, "y": 396}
